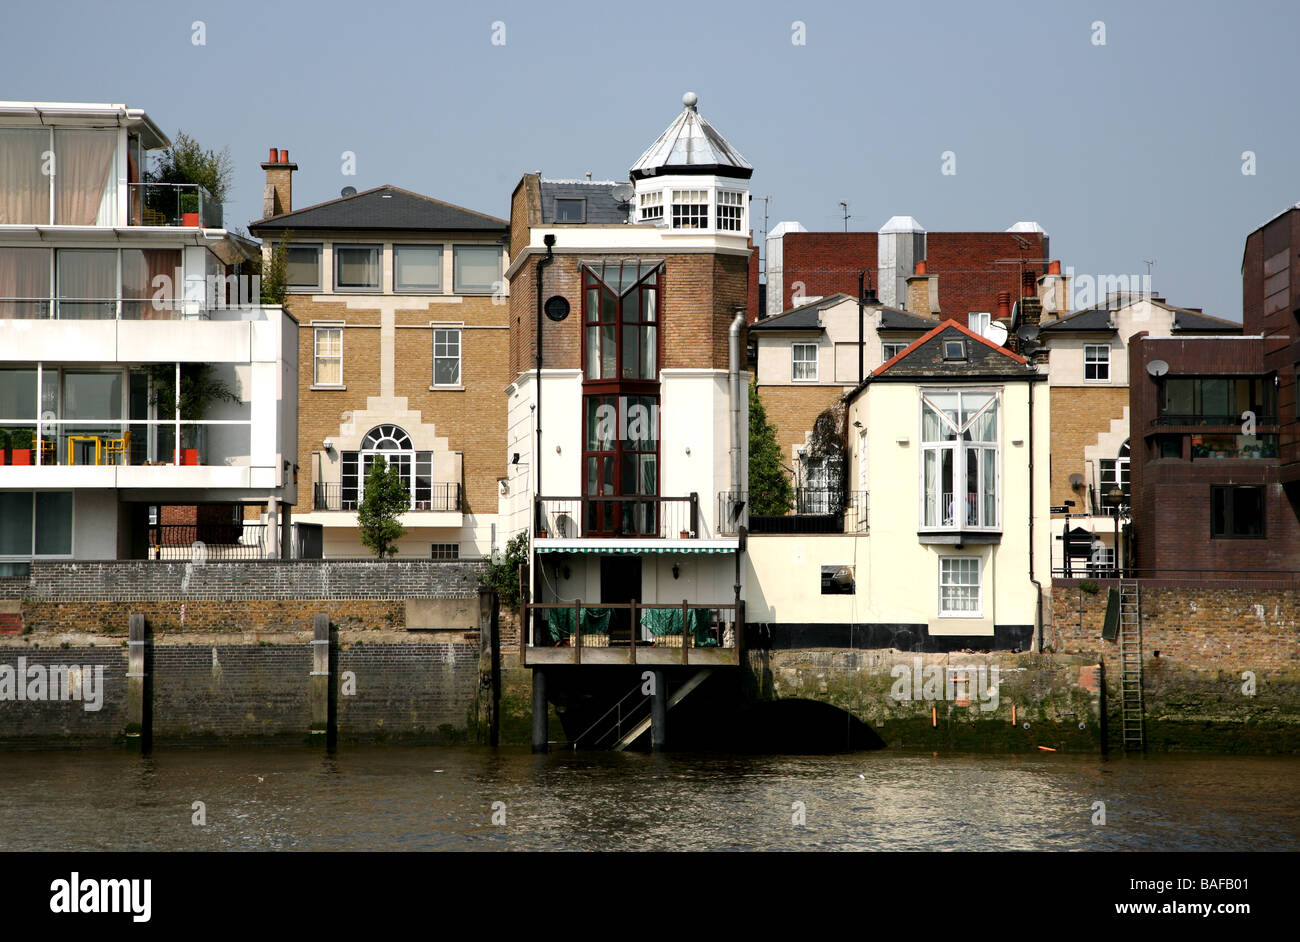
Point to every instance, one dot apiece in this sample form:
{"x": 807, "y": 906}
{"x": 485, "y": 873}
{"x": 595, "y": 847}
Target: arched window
{"x": 394, "y": 445}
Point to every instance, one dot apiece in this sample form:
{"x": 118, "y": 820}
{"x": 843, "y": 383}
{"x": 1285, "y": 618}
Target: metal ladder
{"x": 1130, "y": 666}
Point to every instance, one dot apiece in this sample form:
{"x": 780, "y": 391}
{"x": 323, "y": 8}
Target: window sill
{"x": 955, "y": 537}
{"x": 314, "y": 388}
{"x": 446, "y": 389}
{"x": 964, "y": 616}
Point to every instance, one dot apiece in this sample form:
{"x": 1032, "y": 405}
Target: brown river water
{"x": 476, "y": 798}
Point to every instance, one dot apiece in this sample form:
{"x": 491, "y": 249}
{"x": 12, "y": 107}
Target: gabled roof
{"x": 382, "y": 208}
{"x": 1097, "y": 319}
{"x": 988, "y": 351}
{"x": 602, "y": 209}
{"x": 892, "y": 318}
{"x": 691, "y": 145}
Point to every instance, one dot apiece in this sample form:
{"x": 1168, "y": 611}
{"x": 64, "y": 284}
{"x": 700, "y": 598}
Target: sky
{"x": 1121, "y": 127}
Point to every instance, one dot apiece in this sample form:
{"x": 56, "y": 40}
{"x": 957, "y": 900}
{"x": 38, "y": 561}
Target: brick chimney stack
{"x": 922, "y": 292}
{"x": 277, "y": 197}
{"x": 1054, "y": 291}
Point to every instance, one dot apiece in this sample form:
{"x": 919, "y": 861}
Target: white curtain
{"x": 24, "y": 189}
{"x": 84, "y": 178}
{"x": 89, "y": 277}
{"x": 24, "y": 274}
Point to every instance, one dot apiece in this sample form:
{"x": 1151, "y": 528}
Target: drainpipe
{"x": 549, "y": 239}
{"x": 733, "y": 347}
{"x": 1038, "y": 617}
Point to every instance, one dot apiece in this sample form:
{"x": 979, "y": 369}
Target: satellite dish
{"x": 1028, "y": 333}
{"x": 1157, "y": 368}
{"x": 624, "y": 192}
{"x": 996, "y": 333}
{"x": 348, "y": 191}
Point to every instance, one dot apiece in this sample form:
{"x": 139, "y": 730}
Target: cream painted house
{"x": 950, "y": 439}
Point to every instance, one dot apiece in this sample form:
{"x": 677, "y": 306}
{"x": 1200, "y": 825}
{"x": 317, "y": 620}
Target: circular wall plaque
{"x": 556, "y": 307}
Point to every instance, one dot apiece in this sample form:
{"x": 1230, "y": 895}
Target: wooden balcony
{"x": 632, "y": 633}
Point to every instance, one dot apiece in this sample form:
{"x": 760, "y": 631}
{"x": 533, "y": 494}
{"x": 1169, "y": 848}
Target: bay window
{"x": 959, "y": 460}
{"x": 690, "y": 209}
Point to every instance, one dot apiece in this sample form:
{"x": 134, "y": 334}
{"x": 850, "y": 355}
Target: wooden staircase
{"x": 1130, "y": 665}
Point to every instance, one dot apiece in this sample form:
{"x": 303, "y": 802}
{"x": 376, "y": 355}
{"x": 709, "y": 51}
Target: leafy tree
{"x": 185, "y": 161}
{"x": 770, "y": 493}
{"x": 199, "y": 389}
{"x": 275, "y": 272}
{"x": 503, "y": 571}
{"x": 387, "y": 496}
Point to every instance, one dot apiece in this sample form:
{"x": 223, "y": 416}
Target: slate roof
{"x": 602, "y": 208}
{"x": 807, "y": 316}
{"x": 387, "y": 208}
{"x": 1096, "y": 319}
{"x": 924, "y": 357}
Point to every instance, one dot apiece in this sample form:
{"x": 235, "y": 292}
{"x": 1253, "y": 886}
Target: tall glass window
{"x": 959, "y": 460}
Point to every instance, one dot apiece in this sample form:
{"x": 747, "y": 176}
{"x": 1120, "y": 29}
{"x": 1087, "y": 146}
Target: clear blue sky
{"x": 1123, "y": 152}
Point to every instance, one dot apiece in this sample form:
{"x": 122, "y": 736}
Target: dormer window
{"x": 731, "y": 207}
{"x": 570, "y": 210}
{"x": 690, "y": 209}
{"x": 652, "y": 206}
{"x": 954, "y": 349}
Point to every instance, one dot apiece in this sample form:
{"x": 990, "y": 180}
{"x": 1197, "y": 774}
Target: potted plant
{"x": 4, "y": 445}
{"x": 20, "y": 446}
{"x": 190, "y": 210}
{"x": 199, "y": 390}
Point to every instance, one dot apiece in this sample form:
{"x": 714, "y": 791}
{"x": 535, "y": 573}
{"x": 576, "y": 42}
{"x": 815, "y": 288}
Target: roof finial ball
{"x": 690, "y": 99}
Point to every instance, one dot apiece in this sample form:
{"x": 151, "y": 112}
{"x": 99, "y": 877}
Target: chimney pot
{"x": 920, "y": 266}
{"x": 1004, "y": 305}
{"x": 284, "y": 156}
{"x": 1054, "y": 268}
{"x": 271, "y": 158}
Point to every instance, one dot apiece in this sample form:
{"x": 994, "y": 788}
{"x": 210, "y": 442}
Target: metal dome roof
{"x": 691, "y": 145}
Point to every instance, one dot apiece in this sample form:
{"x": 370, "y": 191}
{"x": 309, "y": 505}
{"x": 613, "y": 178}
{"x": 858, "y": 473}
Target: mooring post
{"x": 540, "y": 734}
{"x": 659, "y": 712}
{"x": 139, "y": 685}
{"x": 321, "y": 692}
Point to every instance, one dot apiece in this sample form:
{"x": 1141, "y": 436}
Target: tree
{"x": 185, "y": 161}
{"x": 503, "y": 571}
{"x": 275, "y": 272}
{"x": 387, "y": 496}
{"x": 770, "y": 493}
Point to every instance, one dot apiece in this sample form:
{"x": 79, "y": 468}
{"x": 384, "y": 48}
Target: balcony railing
{"x": 173, "y": 204}
{"x": 209, "y": 541}
{"x": 102, "y": 309}
{"x": 631, "y": 632}
{"x": 813, "y": 510}
{"x": 427, "y": 498}
{"x": 640, "y": 516}
{"x": 204, "y": 442}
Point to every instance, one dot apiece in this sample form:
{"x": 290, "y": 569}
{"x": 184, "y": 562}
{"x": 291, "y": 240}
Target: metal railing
{"x": 811, "y": 510}
{"x": 102, "y": 309}
{"x": 445, "y": 497}
{"x": 1199, "y": 419}
{"x": 205, "y": 542}
{"x": 645, "y": 516}
{"x": 173, "y": 204}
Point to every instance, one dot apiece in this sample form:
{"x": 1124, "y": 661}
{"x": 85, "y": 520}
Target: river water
{"x": 412, "y": 798}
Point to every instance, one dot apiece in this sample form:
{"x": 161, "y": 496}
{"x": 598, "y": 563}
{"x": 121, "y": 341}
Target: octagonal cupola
{"x": 692, "y": 179}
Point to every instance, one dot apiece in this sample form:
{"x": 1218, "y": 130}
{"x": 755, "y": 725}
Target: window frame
{"x": 456, "y": 286}
{"x": 959, "y": 448}
{"x": 377, "y": 248}
{"x": 418, "y": 289}
{"x": 986, "y": 318}
{"x": 650, "y": 206}
{"x": 319, "y": 249}
{"x": 317, "y": 356}
{"x": 694, "y": 207}
{"x": 960, "y": 344}
{"x": 1260, "y": 489}
{"x": 582, "y": 206}
{"x": 794, "y": 361}
{"x": 885, "y": 355}
{"x": 35, "y": 527}
{"x": 735, "y": 211}
{"x": 1101, "y": 366}
{"x": 978, "y": 585}
{"x": 460, "y": 356}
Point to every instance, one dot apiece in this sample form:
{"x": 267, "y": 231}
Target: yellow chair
{"x": 118, "y": 449}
